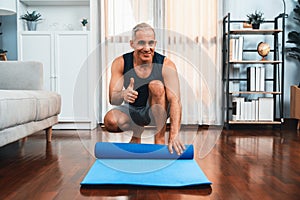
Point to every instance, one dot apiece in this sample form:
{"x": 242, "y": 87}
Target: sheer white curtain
{"x": 194, "y": 45}
{"x": 187, "y": 32}
{"x": 120, "y": 16}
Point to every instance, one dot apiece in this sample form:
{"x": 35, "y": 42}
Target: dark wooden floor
{"x": 241, "y": 164}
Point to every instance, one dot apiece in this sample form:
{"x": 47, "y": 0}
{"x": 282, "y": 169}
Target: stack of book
{"x": 256, "y": 78}
{"x": 261, "y": 109}
{"x": 236, "y": 48}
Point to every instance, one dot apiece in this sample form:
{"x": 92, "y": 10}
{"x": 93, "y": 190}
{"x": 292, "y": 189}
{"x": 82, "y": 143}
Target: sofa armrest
{"x": 21, "y": 75}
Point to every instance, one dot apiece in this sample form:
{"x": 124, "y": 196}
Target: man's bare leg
{"x": 158, "y": 107}
{"x": 137, "y": 134}
{"x": 160, "y": 136}
{"x": 117, "y": 121}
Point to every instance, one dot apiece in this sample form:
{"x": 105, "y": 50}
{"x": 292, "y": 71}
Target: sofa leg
{"x": 49, "y": 134}
{"x": 298, "y": 126}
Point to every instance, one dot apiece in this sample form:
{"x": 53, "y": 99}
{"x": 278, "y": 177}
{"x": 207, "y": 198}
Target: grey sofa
{"x": 25, "y": 108}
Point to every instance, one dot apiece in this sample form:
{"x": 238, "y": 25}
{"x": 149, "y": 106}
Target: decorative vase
{"x": 84, "y": 28}
{"x": 31, "y": 25}
{"x": 255, "y": 26}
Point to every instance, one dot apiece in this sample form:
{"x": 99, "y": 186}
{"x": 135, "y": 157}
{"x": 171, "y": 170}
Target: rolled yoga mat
{"x": 143, "y": 164}
{"x": 138, "y": 151}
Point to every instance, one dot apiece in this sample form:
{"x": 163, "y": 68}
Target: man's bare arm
{"x": 116, "y": 82}
{"x": 116, "y": 93}
{"x": 171, "y": 81}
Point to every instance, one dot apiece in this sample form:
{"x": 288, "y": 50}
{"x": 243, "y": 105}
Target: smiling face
{"x": 144, "y": 45}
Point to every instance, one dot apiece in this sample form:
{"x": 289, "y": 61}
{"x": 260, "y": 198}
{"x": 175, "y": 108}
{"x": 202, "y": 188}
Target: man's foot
{"x": 159, "y": 140}
{"x": 135, "y": 140}
{"x": 160, "y": 136}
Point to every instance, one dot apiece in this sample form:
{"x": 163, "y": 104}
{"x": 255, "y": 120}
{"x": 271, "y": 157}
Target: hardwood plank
{"x": 242, "y": 164}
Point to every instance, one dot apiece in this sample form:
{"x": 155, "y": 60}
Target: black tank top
{"x": 141, "y": 84}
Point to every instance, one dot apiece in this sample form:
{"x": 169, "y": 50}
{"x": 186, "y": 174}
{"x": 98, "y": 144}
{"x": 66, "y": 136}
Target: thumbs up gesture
{"x": 131, "y": 84}
{"x": 130, "y": 95}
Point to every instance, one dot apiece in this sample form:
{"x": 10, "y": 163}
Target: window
{"x": 187, "y": 32}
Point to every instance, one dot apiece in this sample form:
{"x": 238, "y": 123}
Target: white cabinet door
{"x": 65, "y": 59}
{"x": 39, "y": 47}
{"x": 71, "y": 53}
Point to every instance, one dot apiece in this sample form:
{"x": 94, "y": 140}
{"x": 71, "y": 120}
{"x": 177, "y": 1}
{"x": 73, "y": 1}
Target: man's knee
{"x": 157, "y": 89}
{"x": 110, "y": 122}
{"x": 115, "y": 121}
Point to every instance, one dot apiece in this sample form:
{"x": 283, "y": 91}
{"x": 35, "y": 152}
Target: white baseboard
{"x": 75, "y": 126}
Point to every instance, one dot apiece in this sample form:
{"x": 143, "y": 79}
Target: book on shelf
{"x": 255, "y": 102}
{"x": 266, "y": 109}
{"x": 260, "y": 109}
{"x": 236, "y": 108}
{"x": 256, "y": 78}
{"x": 232, "y": 54}
{"x": 247, "y": 111}
{"x": 262, "y": 86}
{"x": 251, "y": 79}
{"x": 236, "y": 45}
{"x": 240, "y": 48}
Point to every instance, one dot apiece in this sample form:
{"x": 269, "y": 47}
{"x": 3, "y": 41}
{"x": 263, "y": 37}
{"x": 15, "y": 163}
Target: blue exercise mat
{"x": 143, "y": 164}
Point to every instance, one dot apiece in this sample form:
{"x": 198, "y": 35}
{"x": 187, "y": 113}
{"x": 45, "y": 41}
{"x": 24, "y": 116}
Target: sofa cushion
{"x": 47, "y": 103}
{"x": 23, "y": 106}
{"x": 16, "y": 107}
{"x": 21, "y": 75}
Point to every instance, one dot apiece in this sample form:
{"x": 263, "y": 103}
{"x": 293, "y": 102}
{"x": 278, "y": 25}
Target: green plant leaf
{"x": 34, "y": 16}
{"x": 256, "y": 17}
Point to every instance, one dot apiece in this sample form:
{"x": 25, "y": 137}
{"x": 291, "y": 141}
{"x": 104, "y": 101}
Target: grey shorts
{"x": 140, "y": 115}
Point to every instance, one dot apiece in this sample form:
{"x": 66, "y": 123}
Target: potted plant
{"x": 84, "y": 22}
{"x": 31, "y": 19}
{"x": 255, "y": 19}
{"x": 294, "y": 36}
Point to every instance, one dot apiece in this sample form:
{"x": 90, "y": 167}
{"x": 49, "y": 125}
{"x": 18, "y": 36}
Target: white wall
{"x": 238, "y": 9}
{"x": 271, "y": 8}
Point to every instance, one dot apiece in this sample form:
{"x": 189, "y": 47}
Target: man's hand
{"x": 177, "y": 145}
{"x": 130, "y": 95}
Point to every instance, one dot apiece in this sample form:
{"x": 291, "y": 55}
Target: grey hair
{"x": 141, "y": 27}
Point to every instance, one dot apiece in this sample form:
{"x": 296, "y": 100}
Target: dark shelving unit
{"x": 276, "y": 34}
